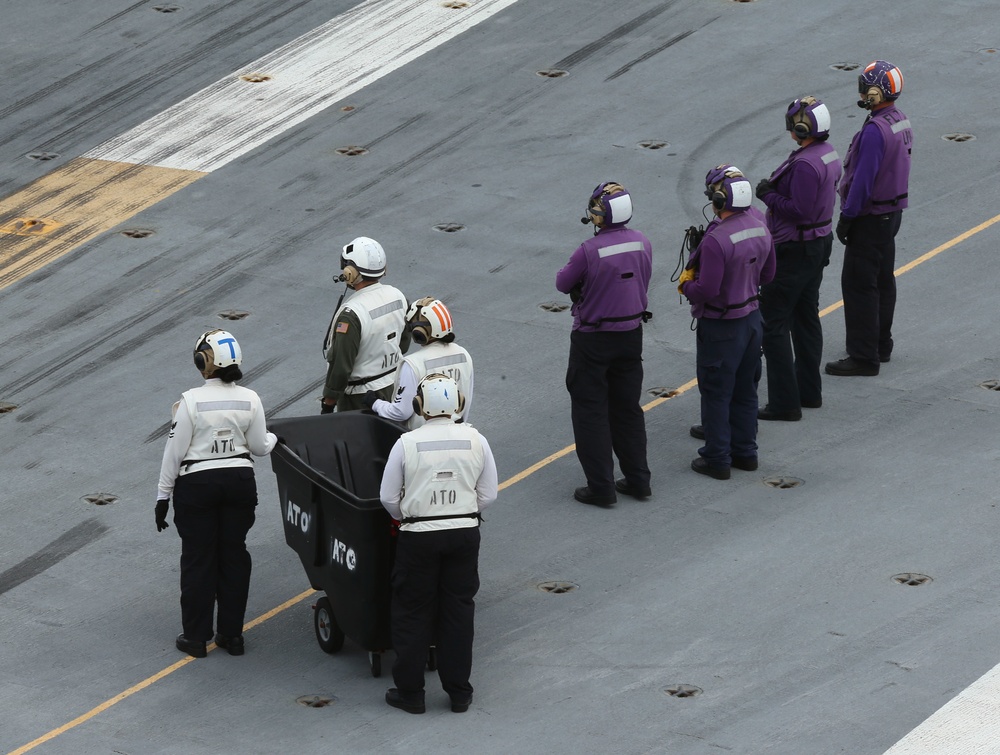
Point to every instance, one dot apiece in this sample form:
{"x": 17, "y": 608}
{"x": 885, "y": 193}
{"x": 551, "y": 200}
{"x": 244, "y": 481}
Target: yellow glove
{"x": 687, "y": 275}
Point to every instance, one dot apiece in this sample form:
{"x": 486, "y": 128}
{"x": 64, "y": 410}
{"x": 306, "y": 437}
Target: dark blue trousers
{"x": 728, "y": 373}
{"x": 789, "y": 305}
{"x": 604, "y": 380}
{"x": 869, "y": 286}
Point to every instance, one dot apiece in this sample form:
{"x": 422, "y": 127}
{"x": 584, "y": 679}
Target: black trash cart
{"x": 329, "y": 470}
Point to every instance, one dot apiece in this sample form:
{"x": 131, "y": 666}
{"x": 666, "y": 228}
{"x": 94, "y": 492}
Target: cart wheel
{"x": 432, "y": 658}
{"x": 328, "y": 634}
{"x": 376, "y": 659}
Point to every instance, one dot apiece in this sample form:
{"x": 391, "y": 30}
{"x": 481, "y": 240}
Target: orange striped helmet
{"x": 429, "y": 320}
{"x": 882, "y": 75}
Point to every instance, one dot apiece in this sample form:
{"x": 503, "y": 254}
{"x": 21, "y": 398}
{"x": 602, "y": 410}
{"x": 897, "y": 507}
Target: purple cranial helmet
{"x": 727, "y": 188}
{"x": 612, "y": 203}
{"x": 808, "y": 117}
{"x": 884, "y": 78}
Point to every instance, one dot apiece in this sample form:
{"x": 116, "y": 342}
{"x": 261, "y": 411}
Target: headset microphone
{"x": 339, "y": 278}
{"x": 585, "y": 221}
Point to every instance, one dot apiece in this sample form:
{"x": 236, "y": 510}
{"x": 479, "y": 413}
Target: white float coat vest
{"x": 220, "y": 415}
{"x": 446, "y": 358}
{"x": 441, "y": 464}
{"x": 381, "y": 309}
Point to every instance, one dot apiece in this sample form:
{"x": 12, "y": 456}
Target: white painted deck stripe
{"x": 967, "y": 725}
{"x": 333, "y": 61}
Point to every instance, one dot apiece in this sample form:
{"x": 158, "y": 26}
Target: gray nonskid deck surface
{"x": 777, "y": 604}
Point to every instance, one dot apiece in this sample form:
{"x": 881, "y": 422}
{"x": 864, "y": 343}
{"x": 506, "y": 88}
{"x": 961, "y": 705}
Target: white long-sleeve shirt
{"x": 214, "y": 424}
{"x": 391, "y": 491}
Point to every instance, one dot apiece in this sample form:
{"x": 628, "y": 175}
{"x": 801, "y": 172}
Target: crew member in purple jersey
{"x": 722, "y": 281}
{"x": 608, "y": 277}
{"x": 800, "y": 196}
{"x": 873, "y": 196}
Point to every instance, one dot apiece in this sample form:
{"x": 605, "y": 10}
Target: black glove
{"x": 764, "y": 187}
{"x": 369, "y": 399}
{"x": 162, "y": 506}
{"x": 325, "y": 408}
{"x": 576, "y": 293}
{"x": 844, "y": 228}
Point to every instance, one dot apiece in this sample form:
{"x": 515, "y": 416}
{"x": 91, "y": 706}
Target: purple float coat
{"x": 877, "y": 166}
{"x": 805, "y": 190}
{"x": 613, "y": 269}
{"x": 734, "y": 259}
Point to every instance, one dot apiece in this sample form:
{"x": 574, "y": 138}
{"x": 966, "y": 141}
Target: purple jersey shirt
{"x": 613, "y": 270}
{"x": 877, "y": 166}
{"x": 734, "y": 260}
{"x": 805, "y": 190}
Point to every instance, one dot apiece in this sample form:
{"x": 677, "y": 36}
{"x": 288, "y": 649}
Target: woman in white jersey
{"x": 208, "y": 470}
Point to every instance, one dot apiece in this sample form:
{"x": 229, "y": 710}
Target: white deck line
{"x": 969, "y": 724}
{"x": 231, "y": 117}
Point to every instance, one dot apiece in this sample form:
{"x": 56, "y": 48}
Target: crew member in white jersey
{"x": 430, "y": 326}
{"x": 208, "y": 470}
{"x": 437, "y": 481}
{"x": 367, "y": 335}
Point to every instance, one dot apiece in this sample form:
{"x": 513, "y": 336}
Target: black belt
{"x": 191, "y": 462}
{"x": 811, "y": 226}
{"x": 890, "y": 202}
{"x": 728, "y": 307}
{"x": 645, "y": 315}
{"x": 362, "y": 381}
{"x": 412, "y": 519}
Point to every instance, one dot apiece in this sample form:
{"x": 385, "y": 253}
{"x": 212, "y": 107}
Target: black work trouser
{"x": 789, "y": 305}
{"x": 728, "y": 372}
{"x": 604, "y": 380}
{"x": 213, "y": 512}
{"x": 435, "y": 579}
{"x": 869, "y": 286}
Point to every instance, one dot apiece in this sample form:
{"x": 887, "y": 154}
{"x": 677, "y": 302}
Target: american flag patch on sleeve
{"x": 342, "y": 327}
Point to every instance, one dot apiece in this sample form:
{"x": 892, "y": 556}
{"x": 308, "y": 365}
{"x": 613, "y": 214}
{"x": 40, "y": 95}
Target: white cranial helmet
{"x": 217, "y": 349}
{"x": 362, "y": 258}
{"x": 429, "y": 320}
{"x": 438, "y": 396}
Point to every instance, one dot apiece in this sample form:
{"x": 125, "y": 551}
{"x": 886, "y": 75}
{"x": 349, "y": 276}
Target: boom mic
{"x": 585, "y": 221}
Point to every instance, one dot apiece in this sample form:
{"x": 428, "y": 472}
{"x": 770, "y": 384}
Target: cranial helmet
{"x": 612, "y": 203}
{"x": 429, "y": 320}
{"x": 438, "y": 396}
{"x": 807, "y": 117}
{"x": 215, "y": 350}
{"x": 362, "y": 258}
{"x": 884, "y": 78}
{"x": 727, "y": 188}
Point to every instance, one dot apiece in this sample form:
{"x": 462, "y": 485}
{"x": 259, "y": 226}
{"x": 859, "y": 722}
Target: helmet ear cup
{"x": 801, "y": 129}
{"x": 199, "y": 352}
{"x": 418, "y": 403}
{"x": 420, "y": 333}
{"x": 461, "y": 403}
{"x": 719, "y": 198}
{"x": 351, "y": 275}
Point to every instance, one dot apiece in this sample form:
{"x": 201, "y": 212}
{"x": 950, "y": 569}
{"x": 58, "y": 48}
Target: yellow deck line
{"x": 77, "y": 202}
{"x": 148, "y": 681}
{"x": 506, "y": 484}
